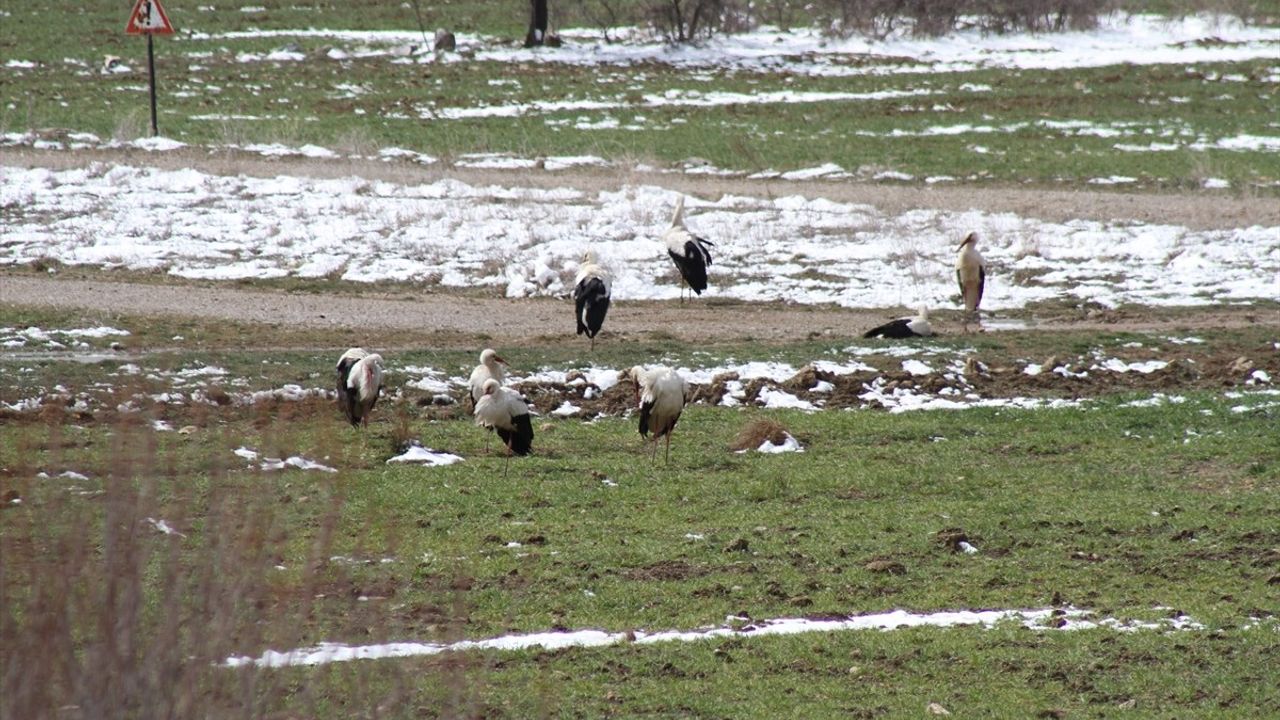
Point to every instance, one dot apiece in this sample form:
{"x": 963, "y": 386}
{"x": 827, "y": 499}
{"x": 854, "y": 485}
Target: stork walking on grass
{"x": 971, "y": 274}
{"x": 359, "y": 384}
{"x": 917, "y": 326}
{"x": 688, "y": 251}
{"x": 660, "y": 394}
{"x": 490, "y": 368}
{"x": 591, "y": 293}
{"x": 501, "y": 410}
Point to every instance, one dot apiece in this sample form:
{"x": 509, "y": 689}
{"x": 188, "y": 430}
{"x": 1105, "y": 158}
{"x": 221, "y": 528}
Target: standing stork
{"x": 660, "y": 392}
{"x": 688, "y": 251}
{"x": 501, "y": 409}
{"x": 971, "y": 273}
{"x": 591, "y": 296}
{"x": 360, "y": 387}
{"x": 906, "y": 327}
{"x": 490, "y": 368}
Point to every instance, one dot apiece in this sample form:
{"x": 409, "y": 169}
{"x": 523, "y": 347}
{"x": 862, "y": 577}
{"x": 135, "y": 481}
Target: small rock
{"x": 738, "y": 545}
{"x": 936, "y": 709}
{"x": 892, "y": 567}
{"x": 1241, "y": 366}
{"x": 187, "y": 429}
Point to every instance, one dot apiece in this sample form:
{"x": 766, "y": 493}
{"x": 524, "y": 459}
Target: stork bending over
{"x": 906, "y": 327}
{"x": 660, "y": 393}
{"x": 359, "y": 384}
{"x": 688, "y": 251}
{"x": 591, "y": 296}
{"x": 971, "y": 274}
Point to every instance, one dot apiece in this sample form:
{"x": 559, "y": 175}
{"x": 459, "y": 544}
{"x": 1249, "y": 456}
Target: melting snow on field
{"x": 528, "y": 240}
{"x": 1120, "y": 39}
{"x": 788, "y": 444}
{"x": 426, "y": 456}
{"x": 736, "y": 627}
{"x": 293, "y": 461}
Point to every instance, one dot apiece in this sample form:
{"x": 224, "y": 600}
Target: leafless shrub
{"x": 126, "y": 599}
{"x": 682, "y": 21}
{"x": 879, "y": 18}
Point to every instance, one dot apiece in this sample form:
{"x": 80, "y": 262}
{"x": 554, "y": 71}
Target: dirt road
{"x": 461, "y": 320}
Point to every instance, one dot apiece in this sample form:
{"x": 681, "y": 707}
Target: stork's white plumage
{"x": 363, "y": 385}
{"x": 917, "y": 326}
{"x": 688, "y": 251}
{"x": 490, "y": 368}
{"x": 660, "y": 394}
{"x": 591, "y": 296}
{"x": 971, "y": 274}
{"x": 501, "y": 409}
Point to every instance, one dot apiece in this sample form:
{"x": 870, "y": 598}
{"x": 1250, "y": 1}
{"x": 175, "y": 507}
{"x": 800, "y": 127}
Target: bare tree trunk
{"x": 537, "y": 24}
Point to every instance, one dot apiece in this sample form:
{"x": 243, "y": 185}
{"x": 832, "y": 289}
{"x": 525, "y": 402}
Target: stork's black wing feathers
{"x": 347, "y": 396}
{"x": 591, "y": 300}
{"x": 519, "y": 440}
{"x": 899, "y": 328}
{"x": 982, "y": 284}
{"x": 645, "y": 409}
{"x": 692, "y": 265}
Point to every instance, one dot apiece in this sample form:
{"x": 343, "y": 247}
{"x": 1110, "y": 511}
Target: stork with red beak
{"x": 490, "y": 368}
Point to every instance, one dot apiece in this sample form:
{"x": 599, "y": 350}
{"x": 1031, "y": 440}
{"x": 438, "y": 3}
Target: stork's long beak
{"x": 967, "y": 239}
{"x": 498, "y": 359}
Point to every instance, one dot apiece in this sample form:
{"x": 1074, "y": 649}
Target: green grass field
{"x": 139, "y": 552}
{"x": 1135, "y": 513}
{"x": 210, "y": 95}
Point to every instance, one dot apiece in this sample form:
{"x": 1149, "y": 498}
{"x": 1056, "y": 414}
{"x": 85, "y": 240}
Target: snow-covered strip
{"x": 1120, "y": 366}
{"x": 20, "y": 337}
{"x": 1120, "y": 39}
{"x": 903, "y": 399}
{"x": 425, "y": 456}
{"x": 295, "y": 461}
{"x": 528, "y": 240}
{"x": 669, "y": 99}
{"x": 1036, "y": 619}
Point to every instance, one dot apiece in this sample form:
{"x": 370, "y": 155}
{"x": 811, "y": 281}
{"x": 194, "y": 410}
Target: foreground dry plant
{"x": 125, "y": 600}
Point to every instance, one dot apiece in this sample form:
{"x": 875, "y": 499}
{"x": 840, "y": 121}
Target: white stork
{"x": 501, "y": 409}
{"x": 971, "y": 273}
{"x": 360, "y": 382}
{"x": 906, "y": 327}
{"x": 591, "y": 296}
{"x": 688, "y": 251}
{"x": 660, "y": 393}
{"x": 490, "y": 368}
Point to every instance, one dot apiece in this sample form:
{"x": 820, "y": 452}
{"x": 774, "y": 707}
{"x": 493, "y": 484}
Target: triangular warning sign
{"x": 148, "y": 17}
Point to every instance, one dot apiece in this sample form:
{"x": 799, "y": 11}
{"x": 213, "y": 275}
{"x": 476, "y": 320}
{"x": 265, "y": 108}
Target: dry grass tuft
{"x": 757, "y": 432}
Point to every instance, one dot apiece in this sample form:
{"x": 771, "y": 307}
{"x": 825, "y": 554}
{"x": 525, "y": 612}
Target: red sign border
{"x": 133, "y": 27}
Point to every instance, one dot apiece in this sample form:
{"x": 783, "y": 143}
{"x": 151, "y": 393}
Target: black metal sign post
{"x": 148, "y": 18}
{"x": 151, "y": 72}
